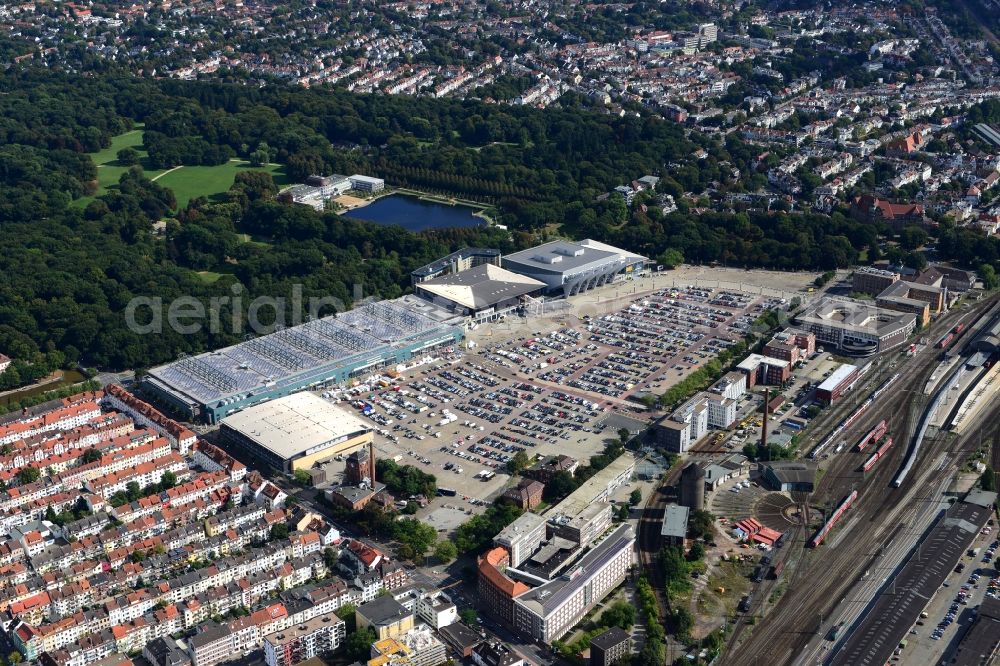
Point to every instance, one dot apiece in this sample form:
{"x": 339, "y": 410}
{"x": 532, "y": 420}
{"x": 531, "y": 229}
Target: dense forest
{"x": 68, "y": 269}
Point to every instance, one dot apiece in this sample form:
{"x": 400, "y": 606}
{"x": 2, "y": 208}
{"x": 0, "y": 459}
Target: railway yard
{"x": 843, "y": 582}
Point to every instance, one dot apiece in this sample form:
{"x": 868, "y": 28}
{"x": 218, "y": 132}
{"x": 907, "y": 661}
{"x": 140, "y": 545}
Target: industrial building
{"x": 764, "y": 370}
{"x": 294, "y": 432}
{"x": 839, "y": 381}
{"x": 981, "y": 643}
{"x": 462, "y": 260}
{"x": 789, "y": 475}
{"x": 548, "y": 611}
{"x": 855, "y": 328}
{"x": 483, "y": 293}
{"x": 692, "y": 487}
{"x": 569, "y": 268}
{"x": 375, "y": 335}
{"x": 675, "y": 525}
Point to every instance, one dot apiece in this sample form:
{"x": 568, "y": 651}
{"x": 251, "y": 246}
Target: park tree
{"x": 128, "y": 157}
{"x": 635, "y": 497}
{"x": 279, "y": 531}
{"x": 988, "y": 480}
{"x": 359, "y": 644}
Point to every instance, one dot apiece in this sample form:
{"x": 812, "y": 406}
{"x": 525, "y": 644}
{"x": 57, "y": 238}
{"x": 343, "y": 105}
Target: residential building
{"x": 527, "y": 494}
{"x": 312, "y": 638}
{"x": 387, "y": 617}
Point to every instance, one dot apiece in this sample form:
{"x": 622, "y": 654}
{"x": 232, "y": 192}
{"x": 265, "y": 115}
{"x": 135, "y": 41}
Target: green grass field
{"x": 186, "y": 182}
{"x": 205, "y": 181}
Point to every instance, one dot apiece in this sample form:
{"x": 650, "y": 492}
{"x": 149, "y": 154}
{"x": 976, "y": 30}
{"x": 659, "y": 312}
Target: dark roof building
{"x": 981, "y": 644}
{"x": 614, "y": 646}
{"x": 460, "y": 638}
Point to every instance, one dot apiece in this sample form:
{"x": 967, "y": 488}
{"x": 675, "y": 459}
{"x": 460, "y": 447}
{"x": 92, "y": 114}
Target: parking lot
{"x": 463, "y": 417}
{"x": 951, "y": 611}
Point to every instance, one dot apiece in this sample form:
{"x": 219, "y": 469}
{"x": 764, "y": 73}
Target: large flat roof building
{"x": 332, "y": 349}
{"x": 597, "y": 488}
{"x": 481, "y": 293}
{"x": 569, "y": 267}
{"x": 294, "y": 432}
{"x": 856, "y": 328}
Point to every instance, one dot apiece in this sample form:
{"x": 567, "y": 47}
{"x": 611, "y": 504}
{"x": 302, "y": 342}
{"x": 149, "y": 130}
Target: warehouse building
{"x": 839, "y": 381}
{"x": 483, "y": 293}
{"x": 855, "y": 328}
{"x": 569, "y": 268}
{"x": 294, "y": 432}
{"x": 675, "y": 525}
{"x": 789, "y": 475}
{"x": 375, "y": 335}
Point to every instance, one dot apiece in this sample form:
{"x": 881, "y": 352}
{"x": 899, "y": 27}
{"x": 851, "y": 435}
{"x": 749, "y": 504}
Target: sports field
{"x": 187, "y": 182}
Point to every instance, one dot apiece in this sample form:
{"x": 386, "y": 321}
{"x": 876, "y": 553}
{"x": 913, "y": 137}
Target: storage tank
{"x": 692, "y": 489}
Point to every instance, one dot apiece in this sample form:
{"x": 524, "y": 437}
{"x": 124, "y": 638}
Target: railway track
{"x": 824, "y": 575}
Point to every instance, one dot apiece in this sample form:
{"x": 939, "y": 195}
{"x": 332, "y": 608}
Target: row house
{"x": 63, "y": 418}
{"x": 35, "y": 449}
{"x": 144, "y": 474}
{"x": 211, "y": 458}
{"x": 234, "y": 518}
{"x": 180, "y": 437}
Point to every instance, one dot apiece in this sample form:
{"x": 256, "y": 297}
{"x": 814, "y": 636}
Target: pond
{"x": 414, "y": 214}
{"x": 69, "y": 377}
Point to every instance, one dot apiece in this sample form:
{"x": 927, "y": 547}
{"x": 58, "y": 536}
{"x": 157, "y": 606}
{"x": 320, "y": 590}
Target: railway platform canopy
{"x": 899, "y": 604}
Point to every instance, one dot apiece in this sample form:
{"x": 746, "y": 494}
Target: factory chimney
{"x": 371, "y": 460}
{"x": 764, "y": 451}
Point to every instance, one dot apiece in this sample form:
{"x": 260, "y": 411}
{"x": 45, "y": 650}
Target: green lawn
{"x": 205, "y": 181}
{"x": 186, "y": 182}
{"x": 209, "y": 277}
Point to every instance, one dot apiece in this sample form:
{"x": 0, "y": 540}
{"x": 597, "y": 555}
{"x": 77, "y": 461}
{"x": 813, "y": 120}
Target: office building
{"x": 610, "y": 648}
{"x": 872, "y": 281}
{"x": 548, "y": 611}
{"x": 366, "y": 183}
{"x": 522, "y": 537}
{"x": 855, "y": 328}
